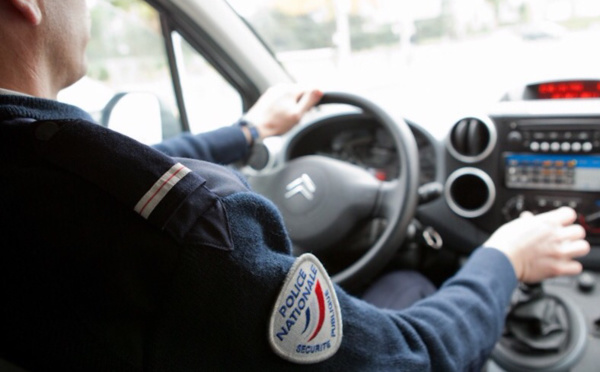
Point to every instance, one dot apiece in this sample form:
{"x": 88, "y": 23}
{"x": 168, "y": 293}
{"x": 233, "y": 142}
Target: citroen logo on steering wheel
{"x": 302, "y": 185}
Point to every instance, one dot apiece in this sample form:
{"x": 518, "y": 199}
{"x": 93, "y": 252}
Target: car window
{"x": 210, "y": 101}
{"x": 127, "y": 54}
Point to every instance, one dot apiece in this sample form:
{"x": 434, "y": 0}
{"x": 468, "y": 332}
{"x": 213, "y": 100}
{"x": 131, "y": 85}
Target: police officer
{"x": 116, "y": 257}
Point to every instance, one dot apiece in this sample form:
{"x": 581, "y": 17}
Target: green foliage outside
{"x": 283, "y": 32}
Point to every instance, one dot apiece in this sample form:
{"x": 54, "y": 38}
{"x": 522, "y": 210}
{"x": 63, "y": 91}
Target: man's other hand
{"x": 542, "y": 246}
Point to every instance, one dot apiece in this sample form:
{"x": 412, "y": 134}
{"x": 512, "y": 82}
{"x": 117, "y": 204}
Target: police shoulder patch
{"x": 306, "y": 323}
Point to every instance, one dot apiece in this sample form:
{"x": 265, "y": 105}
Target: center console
{"x": 520, "y": 163}
{"x": 547, "y": 163}
{"x": 544, "y": 163}
{"x": 536, "y": 157}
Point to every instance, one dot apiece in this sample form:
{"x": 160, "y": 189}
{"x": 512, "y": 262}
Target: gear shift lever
{"x": 537, "y": 323}
{"x": 543, "y": 332}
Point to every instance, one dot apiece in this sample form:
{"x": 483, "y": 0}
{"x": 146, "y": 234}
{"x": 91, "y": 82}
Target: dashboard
{"x": 537, "y": 149}
{"x": 361, "y": 141}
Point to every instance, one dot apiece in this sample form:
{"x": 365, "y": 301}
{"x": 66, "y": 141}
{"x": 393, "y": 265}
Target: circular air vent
{"x": 472, "y": 139}
{"x": 470, "y": 192}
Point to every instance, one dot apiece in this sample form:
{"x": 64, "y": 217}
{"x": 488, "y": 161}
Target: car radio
{"x": 550, "y": 164}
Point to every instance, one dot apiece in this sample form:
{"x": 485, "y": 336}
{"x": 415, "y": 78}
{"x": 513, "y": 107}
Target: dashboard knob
{"x": 514, "y": 207}
{"x": 586, "y": 282}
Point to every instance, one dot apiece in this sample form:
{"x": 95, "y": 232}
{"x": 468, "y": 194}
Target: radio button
{"x": 576, "y": 146}
{"x": 534, "y": 146}
{"x": 587, "y": 146}
{"x": 565, "y": 146}
{"x": 544, "y": 146}
{"x": 555, "y": 146}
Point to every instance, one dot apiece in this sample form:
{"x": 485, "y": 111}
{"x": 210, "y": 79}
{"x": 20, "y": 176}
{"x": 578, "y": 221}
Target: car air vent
{"x": 469, "y": 192}
{"x": 472, "y": 139}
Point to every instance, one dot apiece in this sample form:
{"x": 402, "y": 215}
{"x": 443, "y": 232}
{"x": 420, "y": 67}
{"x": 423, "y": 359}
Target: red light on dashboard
{"x": 576, "y": 87}
{"x": 568, "y": 90}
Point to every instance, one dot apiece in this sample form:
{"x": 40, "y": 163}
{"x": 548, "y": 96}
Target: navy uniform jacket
{"x": 94, "y": 276}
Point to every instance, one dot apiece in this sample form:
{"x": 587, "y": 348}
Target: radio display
{"x": 552, "y": 172}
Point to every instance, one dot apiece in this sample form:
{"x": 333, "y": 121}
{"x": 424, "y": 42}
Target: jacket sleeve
{"x": 222, "y": 146}
{"x": 453, "y": 330}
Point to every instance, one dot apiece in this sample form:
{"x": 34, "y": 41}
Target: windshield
{"x": 432, "y": 60}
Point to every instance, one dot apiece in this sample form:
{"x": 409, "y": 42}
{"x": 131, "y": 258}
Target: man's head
{"x": 45, "y": 43}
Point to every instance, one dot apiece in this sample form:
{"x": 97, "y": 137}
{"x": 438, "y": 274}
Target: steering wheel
{"x": 322, "y": 199}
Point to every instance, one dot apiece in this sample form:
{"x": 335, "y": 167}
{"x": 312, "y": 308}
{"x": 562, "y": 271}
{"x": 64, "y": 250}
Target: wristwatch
{"x": 254, "y": 135}
{"x": 258, "y": 155}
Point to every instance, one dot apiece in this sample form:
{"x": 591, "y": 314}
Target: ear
{"x": 30, "y": 9}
